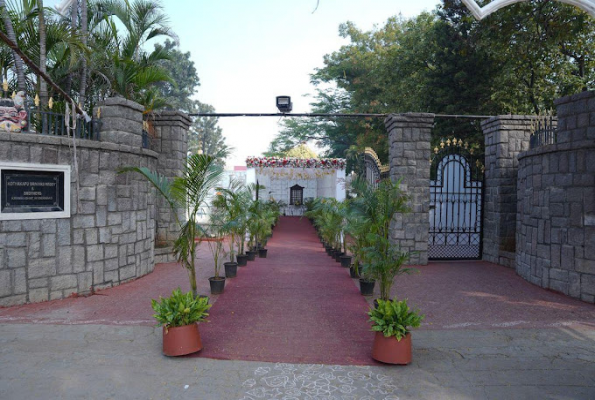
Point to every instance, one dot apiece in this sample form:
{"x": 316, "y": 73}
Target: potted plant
{"x": 187, "y": 193}
{"x": 260, "y": 219}
{"x": 216, "y": 246}
{"x": 374, "y": 209}
{"x": 392, "y": 321}
{"x": 229, "y": 208}
{"x": 179, "y": 315}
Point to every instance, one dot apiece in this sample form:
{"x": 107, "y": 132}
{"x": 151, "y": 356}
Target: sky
{"x": 247, "y": 52}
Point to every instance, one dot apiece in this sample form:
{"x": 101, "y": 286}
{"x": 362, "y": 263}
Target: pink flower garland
{"x": 275, "y": 162}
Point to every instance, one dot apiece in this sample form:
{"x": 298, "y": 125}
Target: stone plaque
{"x": 32, "y": 191}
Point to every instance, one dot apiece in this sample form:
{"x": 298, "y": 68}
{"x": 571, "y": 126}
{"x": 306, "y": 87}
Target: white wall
{"x": 332, "y": 185}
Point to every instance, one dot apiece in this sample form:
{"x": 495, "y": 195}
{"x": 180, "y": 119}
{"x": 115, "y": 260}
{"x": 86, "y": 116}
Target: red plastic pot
{"x": 181, "y": 340}
{"x": 389, "y": 350}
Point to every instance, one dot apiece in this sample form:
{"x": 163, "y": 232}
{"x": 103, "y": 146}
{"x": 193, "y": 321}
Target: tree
{"x": 18, "y": 62}
{"x": 43, "y": 88}
{"x": 178, "y": 92}
{"x": 188, "y": 192}
{"x": 545, "y": 49}
{"x": 205, "y": 137}
{"x": 518, "y": 60}
{"x": 84, "y": 34}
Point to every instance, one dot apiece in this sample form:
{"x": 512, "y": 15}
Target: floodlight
{"x": 284, "y": 104}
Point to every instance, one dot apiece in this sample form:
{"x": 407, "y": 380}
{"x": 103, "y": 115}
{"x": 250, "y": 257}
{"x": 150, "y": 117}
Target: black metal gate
{"x": 456, "y": 208}
{"x": 374, "y": 171}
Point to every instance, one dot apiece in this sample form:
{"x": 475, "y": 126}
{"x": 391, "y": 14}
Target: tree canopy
{"x": 517, "y": 60}
{"x": 102, "y": 48}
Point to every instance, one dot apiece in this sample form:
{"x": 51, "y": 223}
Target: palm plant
{"x": 216, "y": 237}
{"x": 133, "y": 70}
{"x": 330, "y": 220}
{"x": 18, "y": 62}
{"x": 232, "y": 204}
{"x": 188, "y": 192}
{"x": 260, "y": 219}
{"x": 374, "y": 209}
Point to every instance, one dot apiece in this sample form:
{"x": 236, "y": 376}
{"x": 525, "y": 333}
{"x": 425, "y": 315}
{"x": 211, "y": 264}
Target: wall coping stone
{"x": 166, "y": 117}
{"x": 80, "y": 143}
{"x": 121, "y": 101}
{"x": 575, "y": 97}
{"x": 508, "y": 119}
{"x": 552, "y": 148}
{"x": 422, "y": 120}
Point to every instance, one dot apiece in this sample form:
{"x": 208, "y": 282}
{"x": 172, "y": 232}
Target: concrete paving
{"x": 44, "y": 361}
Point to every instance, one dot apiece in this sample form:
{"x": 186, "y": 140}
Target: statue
{"x": 13, "y": 115}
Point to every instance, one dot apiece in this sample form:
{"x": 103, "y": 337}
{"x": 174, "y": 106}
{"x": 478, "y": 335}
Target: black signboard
{"x": 32, "y": 191}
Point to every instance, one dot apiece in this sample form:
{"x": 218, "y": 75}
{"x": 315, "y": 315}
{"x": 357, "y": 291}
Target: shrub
{"x": 180, "y": 309}
{"x": 394, "y": 318}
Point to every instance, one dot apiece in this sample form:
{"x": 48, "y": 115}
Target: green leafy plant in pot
{"x": 179, "y": 315}
{"x": 392, "y": 321}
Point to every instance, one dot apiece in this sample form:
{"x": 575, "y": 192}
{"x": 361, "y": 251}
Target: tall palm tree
{"x": 188, "y": 192}
{"x": 18, "y": 62}
{"x": 43, "y": 87}
{"x": 132, "y": 70}
{"x": 84, "y": 35}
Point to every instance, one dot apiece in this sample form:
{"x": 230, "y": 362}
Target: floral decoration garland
{"x": 275, "y": 162}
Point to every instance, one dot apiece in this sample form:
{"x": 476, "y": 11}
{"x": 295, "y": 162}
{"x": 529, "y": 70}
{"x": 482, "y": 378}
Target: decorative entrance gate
{"x": 374, "y": 171}
{"x": 456, "y": 211}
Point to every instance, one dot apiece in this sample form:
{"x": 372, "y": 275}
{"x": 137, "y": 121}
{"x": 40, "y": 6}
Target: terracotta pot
{"x": 181, "y": 340}
{"x": 391, "y": 351}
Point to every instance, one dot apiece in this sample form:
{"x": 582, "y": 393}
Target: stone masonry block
{"x": 62, "y": 282}
{"x": 42, "y": 267}
{"x": 6, "y": 285}
{"x": 38, "y": 295}
{"x": 16, "y": 258}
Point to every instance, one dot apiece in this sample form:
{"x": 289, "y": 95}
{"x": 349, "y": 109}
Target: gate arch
{"x": 374, "y": 171}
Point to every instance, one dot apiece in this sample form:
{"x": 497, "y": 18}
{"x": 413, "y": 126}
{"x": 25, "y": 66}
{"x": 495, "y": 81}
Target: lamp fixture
{"x": 284, "y": 104}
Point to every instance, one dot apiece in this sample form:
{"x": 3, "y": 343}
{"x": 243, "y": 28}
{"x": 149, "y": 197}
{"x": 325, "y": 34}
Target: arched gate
{"x": 456, "y": 209}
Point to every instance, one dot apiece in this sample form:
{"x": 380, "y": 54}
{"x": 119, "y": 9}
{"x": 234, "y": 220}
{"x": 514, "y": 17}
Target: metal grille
{"x": 544, "y": 132}
{"x": 296, "y": 196}
{"x": 52, "y": 123}
{"x": 373, "y": 170}
{"x": 455, "y": 203}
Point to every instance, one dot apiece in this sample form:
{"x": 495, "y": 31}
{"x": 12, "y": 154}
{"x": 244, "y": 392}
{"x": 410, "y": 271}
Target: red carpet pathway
{"x": 296, "y": 306}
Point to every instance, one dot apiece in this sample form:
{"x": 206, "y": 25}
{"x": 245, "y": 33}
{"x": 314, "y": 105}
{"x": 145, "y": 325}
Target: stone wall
{"x": 409, "y": 153}
{"x": 505, "y": 137}
{"x": 556, "y": 208}
{"x": 110, "y": 236}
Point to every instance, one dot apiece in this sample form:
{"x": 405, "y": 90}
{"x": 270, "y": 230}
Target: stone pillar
{"x": 409, "y": 153}
{"x": 121, "y": 122}
{"x": 505, "y": 137}
{"x": 171, "y": 133}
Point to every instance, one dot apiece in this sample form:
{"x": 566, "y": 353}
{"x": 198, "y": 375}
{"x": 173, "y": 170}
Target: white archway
{"x": 481, "y": 12}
